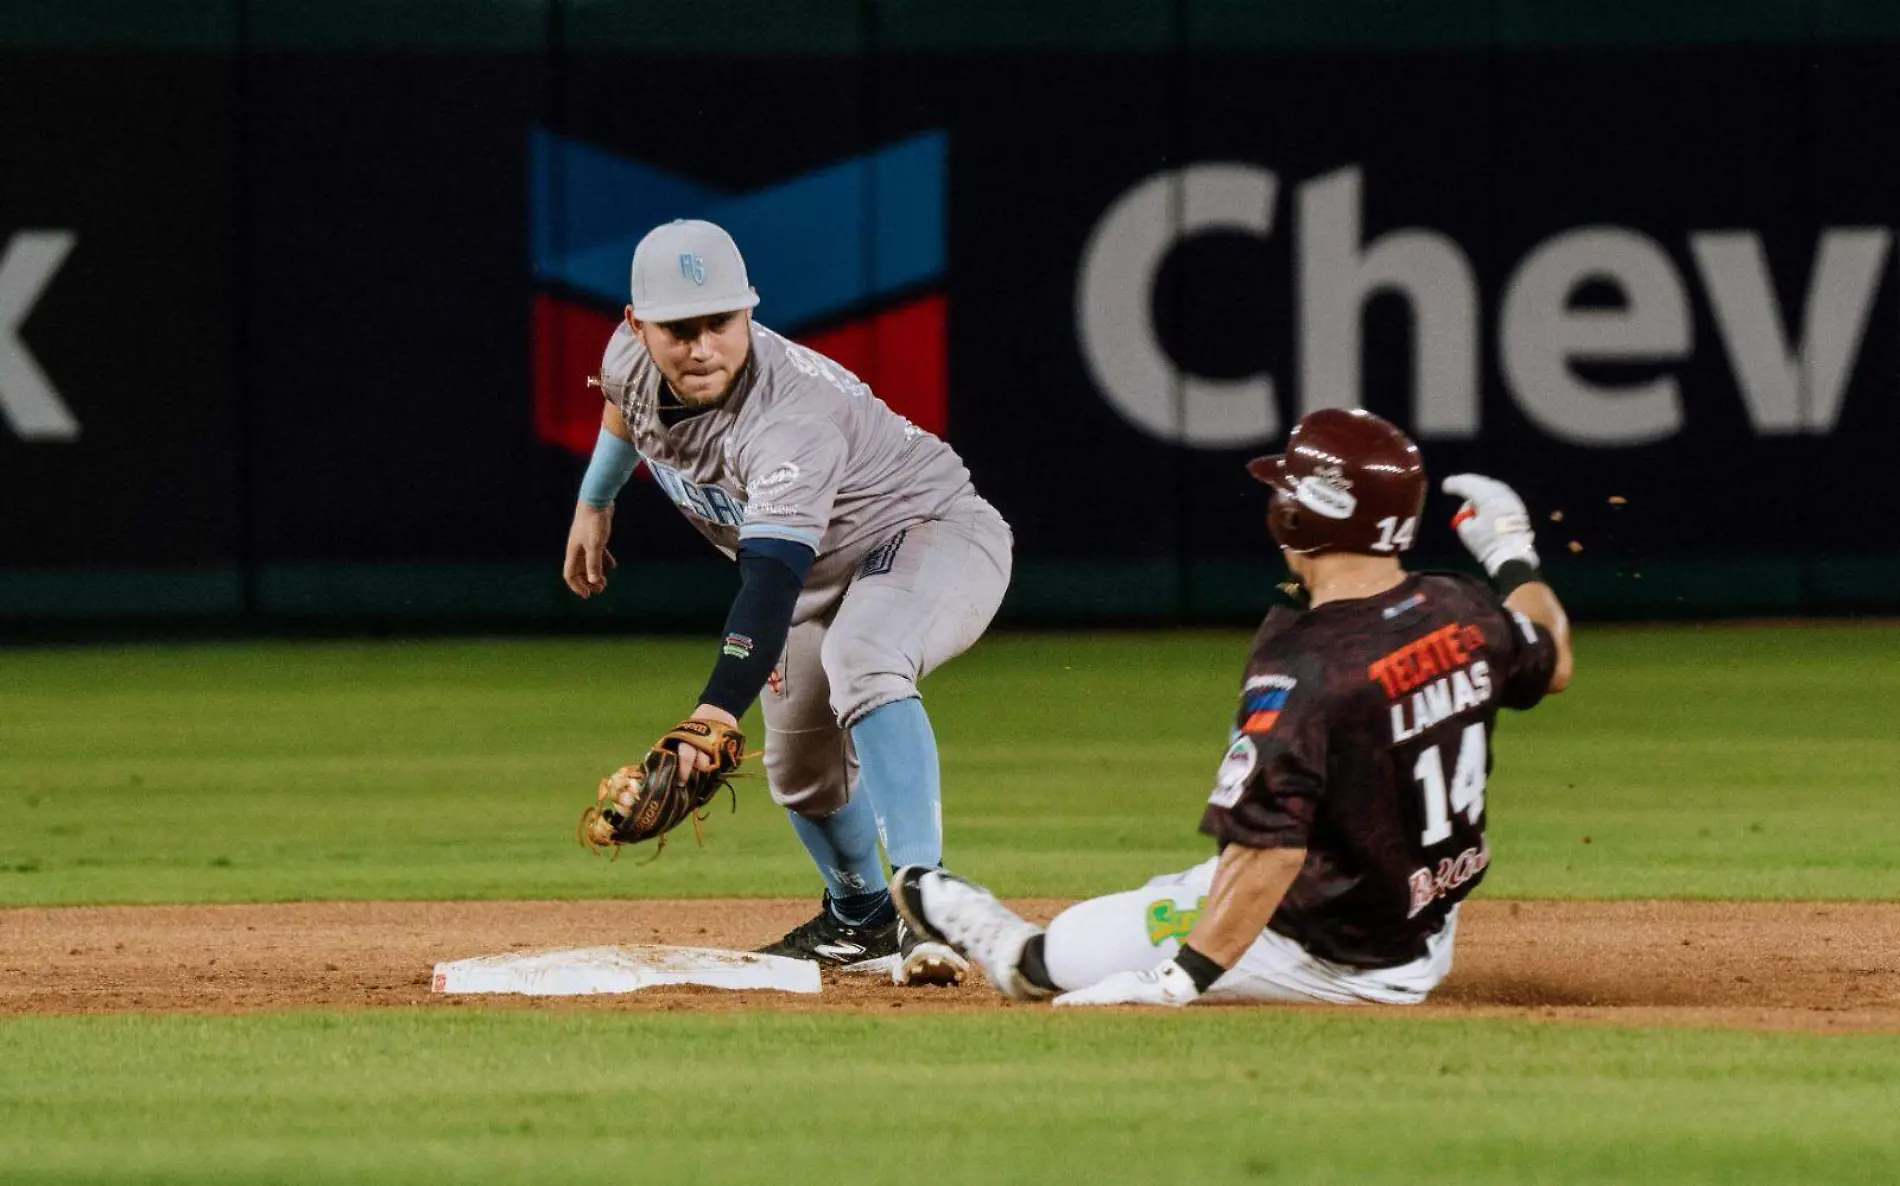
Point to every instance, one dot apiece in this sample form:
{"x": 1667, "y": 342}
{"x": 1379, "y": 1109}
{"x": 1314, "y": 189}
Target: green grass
{"x": 1702, "y": 762}
{"x": 1698, "y": 762}
{"x": 1220, "y": 1096}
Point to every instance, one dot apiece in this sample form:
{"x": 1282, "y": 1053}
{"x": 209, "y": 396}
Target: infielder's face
{"x": 699, "y": 357}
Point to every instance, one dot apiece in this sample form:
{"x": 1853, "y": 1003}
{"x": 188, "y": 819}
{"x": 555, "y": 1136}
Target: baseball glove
{"x": 645, "y": 802}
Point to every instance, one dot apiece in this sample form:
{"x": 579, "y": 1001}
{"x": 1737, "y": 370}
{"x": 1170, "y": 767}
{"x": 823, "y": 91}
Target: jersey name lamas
{"x": 1433, "y": 678}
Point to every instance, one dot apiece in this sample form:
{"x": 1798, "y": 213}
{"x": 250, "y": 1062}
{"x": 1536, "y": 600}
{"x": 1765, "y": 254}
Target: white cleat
{"x": 946, "y": 910}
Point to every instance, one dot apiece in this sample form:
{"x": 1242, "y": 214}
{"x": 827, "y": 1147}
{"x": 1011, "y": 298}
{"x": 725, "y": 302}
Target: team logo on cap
{"x": 692, "y": 267}
{"x": 1324, "y": 498}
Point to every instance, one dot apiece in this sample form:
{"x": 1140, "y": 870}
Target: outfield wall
{"x": 296, "y": 301}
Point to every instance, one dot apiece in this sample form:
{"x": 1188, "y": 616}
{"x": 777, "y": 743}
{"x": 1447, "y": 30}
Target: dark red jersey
{"x": 1364, "y": 736}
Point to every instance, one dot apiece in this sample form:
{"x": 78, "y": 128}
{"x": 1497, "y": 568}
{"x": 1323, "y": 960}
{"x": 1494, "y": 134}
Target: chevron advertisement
{"x": 340, "y": 361}
{"x": 1630, "y": 281}
{"x": 1791, "y": 367}
{"x": 848, "y": 257}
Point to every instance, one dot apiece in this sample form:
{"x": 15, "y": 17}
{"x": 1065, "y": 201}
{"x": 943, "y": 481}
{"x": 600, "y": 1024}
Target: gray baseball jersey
{"x": 801, "y": 451}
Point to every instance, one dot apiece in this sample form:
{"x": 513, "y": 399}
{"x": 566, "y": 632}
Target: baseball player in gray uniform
{"x": 866, "y": 560}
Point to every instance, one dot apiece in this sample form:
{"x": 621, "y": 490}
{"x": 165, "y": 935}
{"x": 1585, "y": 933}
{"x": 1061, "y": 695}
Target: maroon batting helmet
{"x": 1348, "y": 482}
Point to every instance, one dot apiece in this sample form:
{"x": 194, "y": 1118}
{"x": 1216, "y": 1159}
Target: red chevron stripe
{"x": 901, "y": 352}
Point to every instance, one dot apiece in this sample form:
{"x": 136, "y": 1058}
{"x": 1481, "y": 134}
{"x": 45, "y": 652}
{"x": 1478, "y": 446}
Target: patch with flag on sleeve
{"x": 1262, "y": 699}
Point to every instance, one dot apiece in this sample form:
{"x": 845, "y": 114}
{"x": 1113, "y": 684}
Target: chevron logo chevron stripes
{"x": 846, "y": 258}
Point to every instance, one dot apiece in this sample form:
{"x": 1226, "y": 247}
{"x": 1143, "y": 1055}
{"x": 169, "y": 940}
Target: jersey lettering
{"x": 707, "y": 502}
{"x": 809, "y": 362}
{"x": 1377, "y": 764}
{"x": 1462, "y": 690}
{"x": 1427, "y": 884}
{"x": 1449, "y": 646}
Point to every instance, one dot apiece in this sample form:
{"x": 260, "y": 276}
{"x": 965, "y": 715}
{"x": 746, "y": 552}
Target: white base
{"x": 588, "y": 970}
{"x": 881, "y": 965}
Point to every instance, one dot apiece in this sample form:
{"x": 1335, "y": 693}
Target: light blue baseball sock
{"x": 897, "y": 770}
{"x": 844, "y": 847}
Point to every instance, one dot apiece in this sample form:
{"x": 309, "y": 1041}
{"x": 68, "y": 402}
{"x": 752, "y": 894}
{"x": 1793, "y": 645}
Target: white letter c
{"x": 1114, "y": 297}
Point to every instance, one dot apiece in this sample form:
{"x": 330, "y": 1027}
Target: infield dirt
{"x": 1807, "y": 966}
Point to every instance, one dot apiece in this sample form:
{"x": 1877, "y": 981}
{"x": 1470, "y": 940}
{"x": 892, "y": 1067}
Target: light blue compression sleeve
{"x": 844, "y": 847}
{"x": 612, "y": 465}
{"x": 897, "y": 769}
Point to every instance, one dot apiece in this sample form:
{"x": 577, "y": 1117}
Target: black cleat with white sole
{"x": 831, "y": 942}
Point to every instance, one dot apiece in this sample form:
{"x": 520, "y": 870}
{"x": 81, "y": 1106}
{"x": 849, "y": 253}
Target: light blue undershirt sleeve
{"x": 609, "y": 470}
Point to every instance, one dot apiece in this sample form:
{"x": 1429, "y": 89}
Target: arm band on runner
{"x": 1203, "y": 971}
{"x": 612, "y": 465}
{"x": 1513, "y": 573}
{"x": 771, "y": 574}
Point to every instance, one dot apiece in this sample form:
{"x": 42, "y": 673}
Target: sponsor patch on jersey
{"x": 776, "y": 682}
{"x": 783, "y": 475}
{"x": 1427, "y": 885}
{"x": 882, "y": 558}
{"x": 1167, "y": 919}
{"x": 739, "y": 646}
{"x": 1424, "y": 659}
{"x": 1235, "y": 769}
{"x": 1406, "y": 606}
{"x": 758, "y": 510}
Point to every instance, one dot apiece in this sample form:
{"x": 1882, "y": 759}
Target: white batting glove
{"x": 1492, "y": 523}
{"x": 1168, "y": 984}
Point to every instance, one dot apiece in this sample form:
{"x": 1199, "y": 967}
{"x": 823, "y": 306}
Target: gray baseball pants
{"x": 919, "y": 599}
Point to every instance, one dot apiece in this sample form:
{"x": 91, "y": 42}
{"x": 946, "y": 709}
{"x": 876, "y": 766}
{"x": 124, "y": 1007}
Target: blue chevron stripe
{"x": 816, "y": 245}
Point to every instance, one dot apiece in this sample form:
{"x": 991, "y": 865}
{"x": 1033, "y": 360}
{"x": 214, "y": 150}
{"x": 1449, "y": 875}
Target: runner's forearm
{"x": 1248, "y": 886}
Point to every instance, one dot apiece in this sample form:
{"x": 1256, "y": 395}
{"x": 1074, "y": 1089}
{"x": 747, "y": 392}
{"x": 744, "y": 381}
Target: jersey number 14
{"x": 1467, "y": 785}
